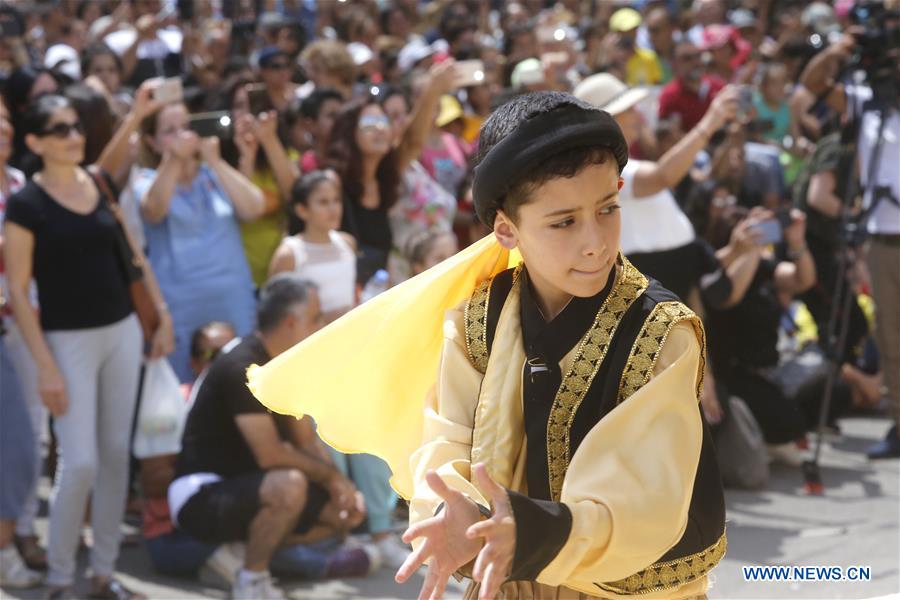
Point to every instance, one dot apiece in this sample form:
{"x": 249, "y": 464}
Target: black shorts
{"x": 222, "y": 511}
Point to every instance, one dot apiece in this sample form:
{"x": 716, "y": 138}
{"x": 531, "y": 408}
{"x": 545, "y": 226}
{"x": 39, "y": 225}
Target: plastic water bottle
{"x": 379, "y": 282}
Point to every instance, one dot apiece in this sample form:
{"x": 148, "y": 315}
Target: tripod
{"x": 853, "y": 232}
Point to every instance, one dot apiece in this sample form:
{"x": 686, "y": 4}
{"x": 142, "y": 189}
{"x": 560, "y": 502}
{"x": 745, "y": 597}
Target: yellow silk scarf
{"x": 364, "y": 378}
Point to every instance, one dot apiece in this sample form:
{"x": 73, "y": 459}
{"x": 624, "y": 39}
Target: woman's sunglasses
{"x": 63, "y": 130}
{"x": 372, "y": 122}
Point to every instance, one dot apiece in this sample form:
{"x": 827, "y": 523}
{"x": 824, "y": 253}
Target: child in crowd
{"x": 770, "y": 103}
{"x": 315, "y": 249}
{"x": 429, "y": 248}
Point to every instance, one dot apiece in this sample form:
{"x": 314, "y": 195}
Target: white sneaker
{"x": 223, "y": 565}
{"x": 260, "y": 588}
{"x": 393, "y": 552}
{"x": 14, "y": 573}
{"x": 787, "y": 454}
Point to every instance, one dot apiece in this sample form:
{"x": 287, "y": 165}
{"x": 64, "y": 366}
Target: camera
{"x": 877, "y": 44}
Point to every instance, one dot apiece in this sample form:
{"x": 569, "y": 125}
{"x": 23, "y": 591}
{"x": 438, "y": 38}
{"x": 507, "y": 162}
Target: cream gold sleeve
{"x": 629, "y": 485}
{"x": 449, "y": 418}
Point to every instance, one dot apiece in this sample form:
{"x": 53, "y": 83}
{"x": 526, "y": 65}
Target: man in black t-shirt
{"x": 245, "y": 474}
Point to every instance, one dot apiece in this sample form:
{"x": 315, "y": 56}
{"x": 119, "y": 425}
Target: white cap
{"x": 417, "y": 49}
{"x": 360, "y": 53}
{"x": 527, "y": 72}
{"x": 63, "y": 58}
{"x": 606, "y": 92}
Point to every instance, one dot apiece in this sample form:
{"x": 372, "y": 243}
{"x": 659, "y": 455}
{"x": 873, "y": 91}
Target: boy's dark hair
{"x": 505, "y": 119}
{"x": 278, "y": 296}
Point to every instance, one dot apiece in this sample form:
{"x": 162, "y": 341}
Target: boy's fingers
{"x": 488, "y": 583}
{"x": 431, "y": 581}
{"x": 419, "y": 529}
{"x": 480, "y": 529}
{"x": 494, "y": 490}
{"x": 440, "y": 585}
{"x": 440, "y": 488}
{"x": 481, "y": 562}
{"x": 415, "y": 560}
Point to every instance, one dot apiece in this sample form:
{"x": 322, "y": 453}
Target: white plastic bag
{"x": 162, "y": 413}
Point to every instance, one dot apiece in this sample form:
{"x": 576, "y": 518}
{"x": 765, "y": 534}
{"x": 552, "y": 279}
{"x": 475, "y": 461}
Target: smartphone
{"x": 770, "y": 232}
{"x": 169, "y": 91}
{"x": 469, "y": 73}
{"x": 211, "y": 124}
{"x": 258, "y": 99}
{"x": 745, "y": 101}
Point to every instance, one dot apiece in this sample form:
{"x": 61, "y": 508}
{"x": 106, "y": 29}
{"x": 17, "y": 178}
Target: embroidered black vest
{"x": 615, "y": 359}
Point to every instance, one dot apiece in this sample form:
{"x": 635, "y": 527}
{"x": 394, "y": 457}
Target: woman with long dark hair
{"x": 361, "y": 153}
{"x": 371, "y": 151}
{"x": 86, "y": 343}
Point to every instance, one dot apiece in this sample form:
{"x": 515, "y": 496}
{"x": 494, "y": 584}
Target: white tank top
{"x": 331, "y": 266}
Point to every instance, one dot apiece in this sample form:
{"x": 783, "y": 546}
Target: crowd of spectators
{"x": 268, "y": 165}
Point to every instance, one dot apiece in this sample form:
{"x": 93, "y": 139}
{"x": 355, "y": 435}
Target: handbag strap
{"x": 99, "y": 178}
{"x": 106, "y": 192}
{"x": 112, "y": 203}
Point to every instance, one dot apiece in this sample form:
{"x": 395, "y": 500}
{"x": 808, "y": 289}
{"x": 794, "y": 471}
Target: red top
{"x": 677, "y": 99}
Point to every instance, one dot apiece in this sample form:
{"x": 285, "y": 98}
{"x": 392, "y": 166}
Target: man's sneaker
{"x": 787, "y": 454}
{"x": 256, "y": 588}
{"x": 221, "y": 568}
{"x": 14, "y": 573}
{"x": 393, "y": 552}
{"x": 889, "y": 447}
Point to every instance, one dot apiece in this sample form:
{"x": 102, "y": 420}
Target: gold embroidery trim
{"x": 671, "y": 573}
{"x": 649, "y": 342}
{"x": 629, "y": 285}
{"x": 475, "y": 316}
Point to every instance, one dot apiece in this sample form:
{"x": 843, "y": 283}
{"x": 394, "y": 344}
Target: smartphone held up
{"x": 212, "y": 124}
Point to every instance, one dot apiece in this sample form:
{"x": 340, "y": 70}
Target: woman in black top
{"x": 361, "y": 153}
{"x": 86, "y": 343}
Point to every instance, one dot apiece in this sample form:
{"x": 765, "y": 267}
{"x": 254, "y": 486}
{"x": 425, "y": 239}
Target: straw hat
{"x": 607, "y": 92}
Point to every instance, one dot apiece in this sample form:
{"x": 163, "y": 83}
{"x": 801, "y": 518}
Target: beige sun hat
{"x": 607, "y": 92}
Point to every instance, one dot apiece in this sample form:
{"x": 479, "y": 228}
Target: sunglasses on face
{"x": 372, "y": 122}
{"x": 63, "y": 130}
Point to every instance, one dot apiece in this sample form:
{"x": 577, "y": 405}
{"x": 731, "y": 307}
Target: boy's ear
{"x": 621, "y": 183}
{"x": 505, "y": 231}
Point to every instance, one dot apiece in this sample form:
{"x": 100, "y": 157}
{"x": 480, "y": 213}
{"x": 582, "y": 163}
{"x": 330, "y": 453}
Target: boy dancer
{"x": 563, "y": 452}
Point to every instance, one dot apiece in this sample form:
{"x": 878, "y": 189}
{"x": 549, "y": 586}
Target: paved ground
{"x": 856, "y": 522}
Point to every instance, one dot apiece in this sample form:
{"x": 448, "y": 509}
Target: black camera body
{"x": 877, "y": 46}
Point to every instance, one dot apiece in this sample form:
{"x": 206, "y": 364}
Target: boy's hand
{"x": 494, "y": 562}
{"x": 446, "y": 543}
